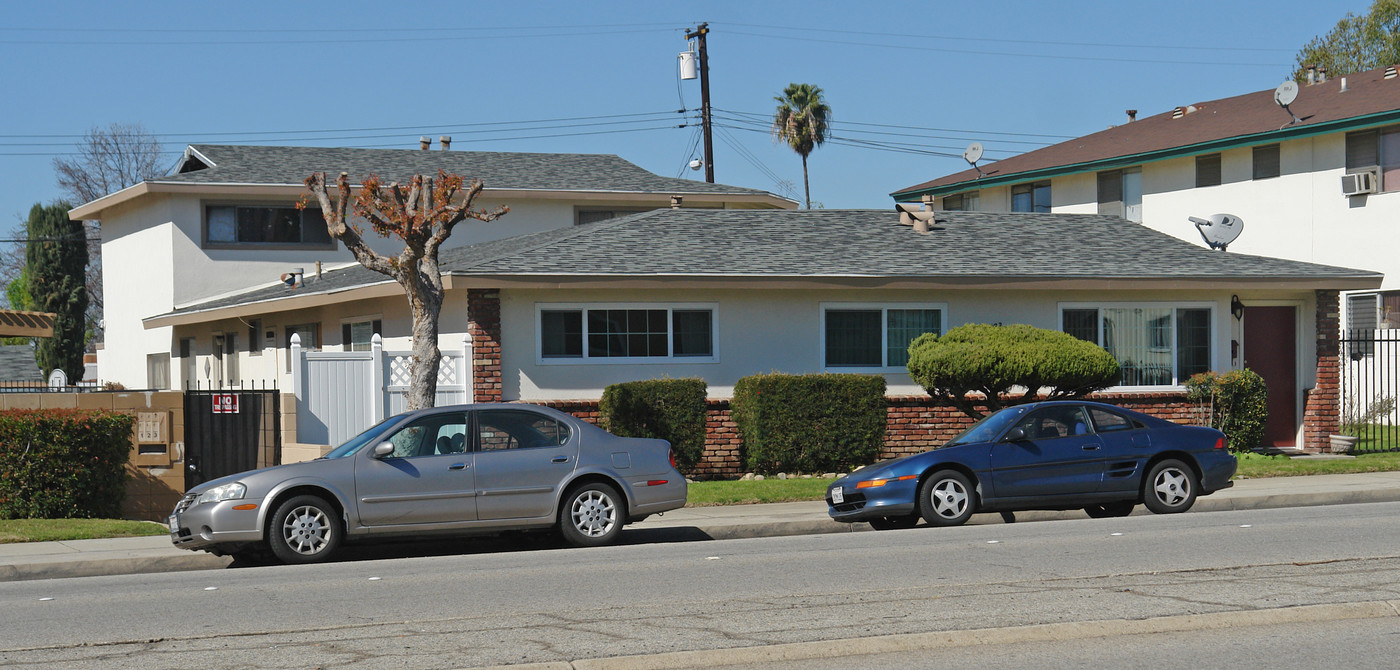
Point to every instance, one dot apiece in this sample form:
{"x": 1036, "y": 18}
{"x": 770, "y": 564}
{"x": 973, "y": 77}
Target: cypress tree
{"x": 56, "y": 263}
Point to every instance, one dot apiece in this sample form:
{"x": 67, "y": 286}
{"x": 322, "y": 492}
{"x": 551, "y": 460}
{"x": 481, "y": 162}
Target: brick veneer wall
{"x": 1321, "y": 409}
{"x": 912, "y": 424}
{"x": 484, "y": 327}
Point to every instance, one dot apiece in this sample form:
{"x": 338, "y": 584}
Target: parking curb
{"x": 1053, "y": 632}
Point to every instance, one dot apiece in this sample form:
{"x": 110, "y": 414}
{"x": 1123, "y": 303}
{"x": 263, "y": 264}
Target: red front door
{"x": 1271, "y": 350}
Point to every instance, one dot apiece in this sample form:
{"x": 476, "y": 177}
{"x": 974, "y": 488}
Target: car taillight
{"x": 1219, "y": 443}
{"x": 672, "y": 454}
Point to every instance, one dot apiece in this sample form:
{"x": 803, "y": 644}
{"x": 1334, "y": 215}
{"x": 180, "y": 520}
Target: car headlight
{"x": 232, "y": 491}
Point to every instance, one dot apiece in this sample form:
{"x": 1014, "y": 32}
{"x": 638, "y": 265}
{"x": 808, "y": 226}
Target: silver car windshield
{"x": 370, "y": 436}
{"x": 988, "y": 428}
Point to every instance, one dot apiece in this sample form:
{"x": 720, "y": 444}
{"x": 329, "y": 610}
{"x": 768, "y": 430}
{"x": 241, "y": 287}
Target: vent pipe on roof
{"x": 424, "y": 142}
{"x": 1321, "y": 74}
{"x": 445, "y": 141}
{"x": 1312, "y": 73}
{"x": 1132, "y": 115}
{"x": 675, "y": 202}
{"x": 1344, "y": 85}
{"x": 1391, "y": 72}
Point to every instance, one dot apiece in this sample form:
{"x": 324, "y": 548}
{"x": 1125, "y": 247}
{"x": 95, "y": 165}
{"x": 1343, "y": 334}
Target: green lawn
{"x": 1252, "y": 466}
{"x": 55, "y": 530}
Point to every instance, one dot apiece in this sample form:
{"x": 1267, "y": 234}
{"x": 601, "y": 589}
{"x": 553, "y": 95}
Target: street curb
{"x": 187, "y": 561}
{"x": 885, "y": 644}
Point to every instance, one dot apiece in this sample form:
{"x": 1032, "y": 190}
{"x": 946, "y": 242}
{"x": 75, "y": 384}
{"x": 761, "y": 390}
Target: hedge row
{"x": 1238, "y": 404}
{"x": 669, "y": 409}
{"x": 810, "y": 423}
{"x": 59, "y": 464}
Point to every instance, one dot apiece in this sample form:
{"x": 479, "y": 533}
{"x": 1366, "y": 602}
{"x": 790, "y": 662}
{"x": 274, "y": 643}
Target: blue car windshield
{"x": 370, "y": 436}
{"x": 988, "y": 428}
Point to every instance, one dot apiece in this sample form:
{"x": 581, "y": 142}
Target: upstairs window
{"x": 1377, "y": 150}
{"x": 1120, "y": 193}
{"x": 961, "y": 202}
{"x": 1031, "y": 197}
{"x": 265, "y": 226}
{"x": 1266, "y": 162}
{"x": 1208, "y": 170}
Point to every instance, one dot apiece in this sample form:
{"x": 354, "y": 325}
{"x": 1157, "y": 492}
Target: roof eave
{"x": 1234, "y": 142}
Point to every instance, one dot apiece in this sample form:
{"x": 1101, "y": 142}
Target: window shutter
{"x": 1111, "y": 193}
{"x": 1363, "y": 150}
{"x": 345, "y": 336}
{"x": 1266, "y": 162}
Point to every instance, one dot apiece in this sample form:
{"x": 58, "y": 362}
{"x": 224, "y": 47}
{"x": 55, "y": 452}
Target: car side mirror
{"x": 1017, "y": 434}
{"x": 383, "y": 450}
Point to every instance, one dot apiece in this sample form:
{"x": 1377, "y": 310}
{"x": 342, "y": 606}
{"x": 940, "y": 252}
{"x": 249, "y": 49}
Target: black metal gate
{"x": 1370, "y": 380}
{"x": 230, "y": 431}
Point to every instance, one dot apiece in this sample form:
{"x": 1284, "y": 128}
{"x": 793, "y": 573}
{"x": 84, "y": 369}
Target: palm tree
{"x": 801, "y": 121}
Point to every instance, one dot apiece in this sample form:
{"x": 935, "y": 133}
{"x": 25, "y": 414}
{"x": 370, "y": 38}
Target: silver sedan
{"x": 462, "y": 469}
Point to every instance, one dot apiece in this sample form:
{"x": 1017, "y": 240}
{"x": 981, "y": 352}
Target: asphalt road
{"x": 562, "y": 604}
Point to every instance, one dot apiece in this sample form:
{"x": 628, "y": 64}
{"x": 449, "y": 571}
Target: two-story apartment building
{"x": 1244, "y": 155}
{"x": 226, "y": 223}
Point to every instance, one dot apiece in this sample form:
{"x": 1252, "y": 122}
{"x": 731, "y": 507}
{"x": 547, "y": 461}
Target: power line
{"x": 416, "y": 39}
{"x": 964, "y": 38}
{"x": 843, "y": 127}
{"x": 911, "y": 47}
{"x": 766, "y": 118}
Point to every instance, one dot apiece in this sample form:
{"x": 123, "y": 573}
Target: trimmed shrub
{"x": 63, "y": 464}
{"x": 993, "y": 360}
{"x": 810, "y": 423}
{"x": 1237, "y": 404}
{"x": 669, "y": 409}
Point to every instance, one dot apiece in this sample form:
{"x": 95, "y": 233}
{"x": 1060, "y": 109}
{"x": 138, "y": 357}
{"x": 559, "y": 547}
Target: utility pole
{"x": 699, "y": 36}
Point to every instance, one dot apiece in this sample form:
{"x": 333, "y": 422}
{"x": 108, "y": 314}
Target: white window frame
{"x": 585, "y": 359}
{"x": 352, "y": 320}
{"x": 822, "y": 308}
{"x": 1173, "y": 306}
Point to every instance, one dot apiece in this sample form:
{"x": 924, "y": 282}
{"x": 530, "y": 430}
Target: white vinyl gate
{"x": 341, "y": 393}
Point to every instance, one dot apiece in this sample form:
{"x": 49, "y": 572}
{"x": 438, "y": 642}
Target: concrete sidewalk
{"x": 120, "y": 556}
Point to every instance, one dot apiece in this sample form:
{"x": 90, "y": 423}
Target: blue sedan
{"x": 1051, "y": 455}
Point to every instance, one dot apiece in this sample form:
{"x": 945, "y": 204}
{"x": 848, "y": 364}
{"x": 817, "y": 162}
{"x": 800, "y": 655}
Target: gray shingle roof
{"x": 971, "y": 246}
{"x": 871, "y": 243}
{"x": 499, "y": 170}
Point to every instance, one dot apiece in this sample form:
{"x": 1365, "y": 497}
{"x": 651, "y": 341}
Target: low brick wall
{"x": 912, "y": 424}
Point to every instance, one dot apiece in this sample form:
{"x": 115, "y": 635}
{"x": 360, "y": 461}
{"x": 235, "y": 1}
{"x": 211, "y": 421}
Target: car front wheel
{"x": 1170, "y": 487}
{"x": 945, "y": 498}
{"x": 304, "y": 530}
{"x": 592, "y": 515}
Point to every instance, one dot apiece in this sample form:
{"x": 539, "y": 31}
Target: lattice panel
{"x": 399, "y": 374}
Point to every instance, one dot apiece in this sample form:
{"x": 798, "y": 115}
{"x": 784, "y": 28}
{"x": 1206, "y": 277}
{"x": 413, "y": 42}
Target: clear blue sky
{"x": 938, "y": 75}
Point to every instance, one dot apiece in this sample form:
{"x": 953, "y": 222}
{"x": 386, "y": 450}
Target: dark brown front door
{"x": 1271, "y": 350}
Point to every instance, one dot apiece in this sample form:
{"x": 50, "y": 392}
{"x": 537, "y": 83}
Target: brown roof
{"x": 1242, "y": 116}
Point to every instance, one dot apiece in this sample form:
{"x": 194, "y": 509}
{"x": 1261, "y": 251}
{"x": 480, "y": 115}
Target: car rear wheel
{"x": 945, "y": 498}
{"x": 1170, "y": 487}
{"x": 304, "y": 530}
{"x": 1109, "y": 510}
{"x": 894, "y": 522}
{"x": 592, "y": 515}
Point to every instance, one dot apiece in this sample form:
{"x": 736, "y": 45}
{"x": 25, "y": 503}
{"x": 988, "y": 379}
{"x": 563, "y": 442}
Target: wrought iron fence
{"x": 1370, "y": 388}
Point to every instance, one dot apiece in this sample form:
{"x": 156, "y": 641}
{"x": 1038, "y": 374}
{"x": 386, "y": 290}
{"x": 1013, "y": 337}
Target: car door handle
{"x": 457, "y": 466}
{"x": 560, "y": 459}
{"x": 1090, "y": 447}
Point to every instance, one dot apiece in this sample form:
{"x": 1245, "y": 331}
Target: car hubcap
{"x": 594, "y": 514}
{"x": 949, "y": 499}
{"x": 306, "y": 530}
{"x": 1171, "y": 487}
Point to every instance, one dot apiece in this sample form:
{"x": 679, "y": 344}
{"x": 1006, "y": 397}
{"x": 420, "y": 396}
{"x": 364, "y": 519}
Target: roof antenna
{"x": 1284, "y": 95}
{"x": 972, "y": 154}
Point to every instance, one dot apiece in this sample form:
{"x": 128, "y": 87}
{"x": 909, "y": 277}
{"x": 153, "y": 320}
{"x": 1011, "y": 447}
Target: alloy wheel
{"x": 594, "y": 514}
{"x": 306, "y": 530}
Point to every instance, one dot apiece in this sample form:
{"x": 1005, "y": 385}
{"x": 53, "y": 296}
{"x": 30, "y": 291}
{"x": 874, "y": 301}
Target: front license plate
{"x": 837, "y": 497}
{"x": 174, "y": 523}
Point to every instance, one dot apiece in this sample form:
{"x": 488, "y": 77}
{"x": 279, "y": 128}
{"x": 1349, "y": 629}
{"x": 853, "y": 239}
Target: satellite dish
{"x": 972, "y": 154}
{"x": 1219, "y": 230}
{"x": 1284, "y": 95}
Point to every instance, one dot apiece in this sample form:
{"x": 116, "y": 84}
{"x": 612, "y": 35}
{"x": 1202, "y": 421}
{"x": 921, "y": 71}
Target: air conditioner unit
{"x": 1360, "y": 183}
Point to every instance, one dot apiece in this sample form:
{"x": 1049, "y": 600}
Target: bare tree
{"x": 107, "y": 159}
{"x": 423, "y": 215}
